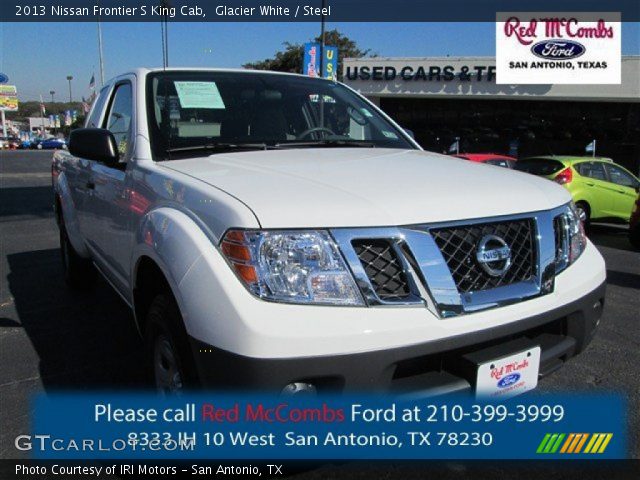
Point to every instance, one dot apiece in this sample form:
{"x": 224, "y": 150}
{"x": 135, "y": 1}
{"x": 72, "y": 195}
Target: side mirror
{"x": 409, "y": 132}
{"x": 96, "y": 144}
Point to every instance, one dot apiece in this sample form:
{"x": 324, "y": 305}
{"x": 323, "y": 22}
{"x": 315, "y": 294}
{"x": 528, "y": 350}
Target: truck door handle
{"x": 589, "y": 183}
{"x": 91, "y": 185}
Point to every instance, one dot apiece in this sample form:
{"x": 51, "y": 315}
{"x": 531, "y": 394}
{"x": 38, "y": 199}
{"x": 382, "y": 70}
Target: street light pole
{"x": 322, "y": 40}
{"x": 52, "y": 93}
{"x": 100, "y": 53}
{"x": 69, "y": 78}
{"x": 321, "y": 99}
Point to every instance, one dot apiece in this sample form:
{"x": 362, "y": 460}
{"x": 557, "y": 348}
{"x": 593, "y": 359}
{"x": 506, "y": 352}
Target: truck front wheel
{"x": 171, "y": 361}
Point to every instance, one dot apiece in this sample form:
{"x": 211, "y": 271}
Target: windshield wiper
{"x": 220, "y": 146}
{"x": 328, "y": 142}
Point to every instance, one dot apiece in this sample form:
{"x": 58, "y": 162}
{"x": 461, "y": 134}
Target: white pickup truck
{"x": 280, "y": 232}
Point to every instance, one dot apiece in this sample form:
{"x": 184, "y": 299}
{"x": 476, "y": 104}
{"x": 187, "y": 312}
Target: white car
{"x": 281, "y": 232}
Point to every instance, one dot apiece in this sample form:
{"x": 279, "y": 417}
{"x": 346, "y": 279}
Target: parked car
{"x": 52, "y": 144}
{"x": 489, "y": 159}
{"x": 11, "y": 143}
{"x": 34, "y": 143}
{"x": 260, "y": 247}
{"x": 634, "y": 224}
{"x": 601, "y": 189}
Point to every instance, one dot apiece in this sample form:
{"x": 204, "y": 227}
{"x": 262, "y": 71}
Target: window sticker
{"x": 199, "y": 95}
{"x": 388, "y": 134}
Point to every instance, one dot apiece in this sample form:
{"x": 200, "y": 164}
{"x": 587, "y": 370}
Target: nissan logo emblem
{"x": 494, "y": 255}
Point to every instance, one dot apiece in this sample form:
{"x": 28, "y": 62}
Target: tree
{"x": 290, "y": 59}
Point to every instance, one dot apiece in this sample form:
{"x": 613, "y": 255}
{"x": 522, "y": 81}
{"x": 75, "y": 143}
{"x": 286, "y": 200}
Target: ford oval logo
{"x": 558, "y": 49}
{"x": 509, "y": 380}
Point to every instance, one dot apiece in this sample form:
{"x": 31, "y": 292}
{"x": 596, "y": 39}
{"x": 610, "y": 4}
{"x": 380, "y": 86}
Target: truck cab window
{"x": 119, "y": 118}
{"x": 93, "y": 120}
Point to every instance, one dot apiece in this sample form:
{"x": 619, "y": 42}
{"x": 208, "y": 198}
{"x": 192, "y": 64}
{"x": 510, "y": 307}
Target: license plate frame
{"x": 510, "y": 375}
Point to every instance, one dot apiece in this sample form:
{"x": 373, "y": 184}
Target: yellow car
{"x": 600, "y": 189}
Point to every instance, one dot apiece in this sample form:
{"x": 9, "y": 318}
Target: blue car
{"x": 53, "y": 144}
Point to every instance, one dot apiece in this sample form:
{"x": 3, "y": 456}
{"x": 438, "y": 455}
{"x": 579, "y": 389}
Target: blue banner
{"x": 146, "y": 427}
{"x": 330, "y": 63}
{"x": 311, "y": 59}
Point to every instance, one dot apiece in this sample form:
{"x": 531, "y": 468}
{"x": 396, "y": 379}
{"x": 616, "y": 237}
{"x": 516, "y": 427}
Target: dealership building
{"x": 441, "y": 99}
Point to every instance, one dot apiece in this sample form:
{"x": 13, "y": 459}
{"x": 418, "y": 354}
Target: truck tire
{"x": 78, "y": 272}
{"x": 634, "y": 237}
{"x": 171, "y": 362}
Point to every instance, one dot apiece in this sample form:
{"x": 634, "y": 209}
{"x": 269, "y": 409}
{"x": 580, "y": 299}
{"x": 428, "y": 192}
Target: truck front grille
{"x": 383, "y": 268}
{"x": 459, "y": 245}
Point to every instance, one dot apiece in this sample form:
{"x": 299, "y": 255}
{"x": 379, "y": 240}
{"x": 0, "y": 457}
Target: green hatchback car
{"x": 600, "y": 189}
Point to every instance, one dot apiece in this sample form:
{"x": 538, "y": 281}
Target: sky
{"x": 37, "y": 57}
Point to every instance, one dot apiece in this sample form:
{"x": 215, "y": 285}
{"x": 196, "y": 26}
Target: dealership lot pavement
{"x": 53, "y": 338}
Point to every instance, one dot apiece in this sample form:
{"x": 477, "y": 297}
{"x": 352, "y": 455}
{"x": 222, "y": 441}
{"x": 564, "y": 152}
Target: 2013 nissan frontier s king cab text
{"x": 279, "y": 232}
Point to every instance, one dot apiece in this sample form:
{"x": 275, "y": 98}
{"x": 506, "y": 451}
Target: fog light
{"x": 299, "y": 388}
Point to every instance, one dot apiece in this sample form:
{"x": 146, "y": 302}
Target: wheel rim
{"x": 167, "y": 372}
{"x": 582, "y": 214}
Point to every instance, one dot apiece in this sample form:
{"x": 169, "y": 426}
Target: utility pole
{"x": 52, "y": 93}
{"x": 69, "y": 78}
{"x": 100, "y": 53}
{"x": 44, "y": 130}
{"x": 322, "y": 40}
{"x": 321, "y": 99}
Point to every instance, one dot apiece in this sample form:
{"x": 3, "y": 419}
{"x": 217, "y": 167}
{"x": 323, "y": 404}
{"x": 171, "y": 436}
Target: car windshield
{"x": 190, "y": 111}
{"x": 539, "y": 166}
{"x": 501, "y": 162}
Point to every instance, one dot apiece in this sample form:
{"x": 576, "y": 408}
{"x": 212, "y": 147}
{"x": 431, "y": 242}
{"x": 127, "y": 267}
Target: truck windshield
{"x": 192, "y": 111}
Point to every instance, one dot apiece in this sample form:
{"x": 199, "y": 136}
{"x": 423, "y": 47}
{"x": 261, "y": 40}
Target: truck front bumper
{"x": 429, "y": 368}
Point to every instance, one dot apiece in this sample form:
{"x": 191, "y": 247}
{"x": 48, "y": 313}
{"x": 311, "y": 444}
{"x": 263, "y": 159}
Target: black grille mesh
{"x": 459, "y": 246}
{"x": 383, "y": 268}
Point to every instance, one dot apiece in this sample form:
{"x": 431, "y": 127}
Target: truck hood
{"x": 351, "y": 187}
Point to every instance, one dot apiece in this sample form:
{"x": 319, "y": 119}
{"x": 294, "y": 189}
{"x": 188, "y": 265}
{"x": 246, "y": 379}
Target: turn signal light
{"x": 565, "y": 176}
{"x": 235, "y": 247}
{"x": 236, "y": 252}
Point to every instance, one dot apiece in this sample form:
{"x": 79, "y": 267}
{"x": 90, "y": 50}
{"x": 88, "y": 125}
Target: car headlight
{"x": 572, "y": 236}
{"x": 294, "y": 266}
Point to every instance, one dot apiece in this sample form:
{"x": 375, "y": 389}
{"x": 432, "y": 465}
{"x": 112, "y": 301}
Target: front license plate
{"x": 509, "y": 376}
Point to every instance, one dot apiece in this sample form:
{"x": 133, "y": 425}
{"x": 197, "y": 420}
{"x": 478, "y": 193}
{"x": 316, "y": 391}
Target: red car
{"x": 489, "y": 158}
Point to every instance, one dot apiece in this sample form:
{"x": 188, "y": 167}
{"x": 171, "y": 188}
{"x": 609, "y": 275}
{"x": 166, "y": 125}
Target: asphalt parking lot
{"x": 51, "y": 337}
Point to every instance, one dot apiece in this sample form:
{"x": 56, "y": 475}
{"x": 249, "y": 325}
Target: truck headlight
{"x": 294, "y": 266}
{"x": 577, "y": 236}
{"x": 572, "y": 237}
